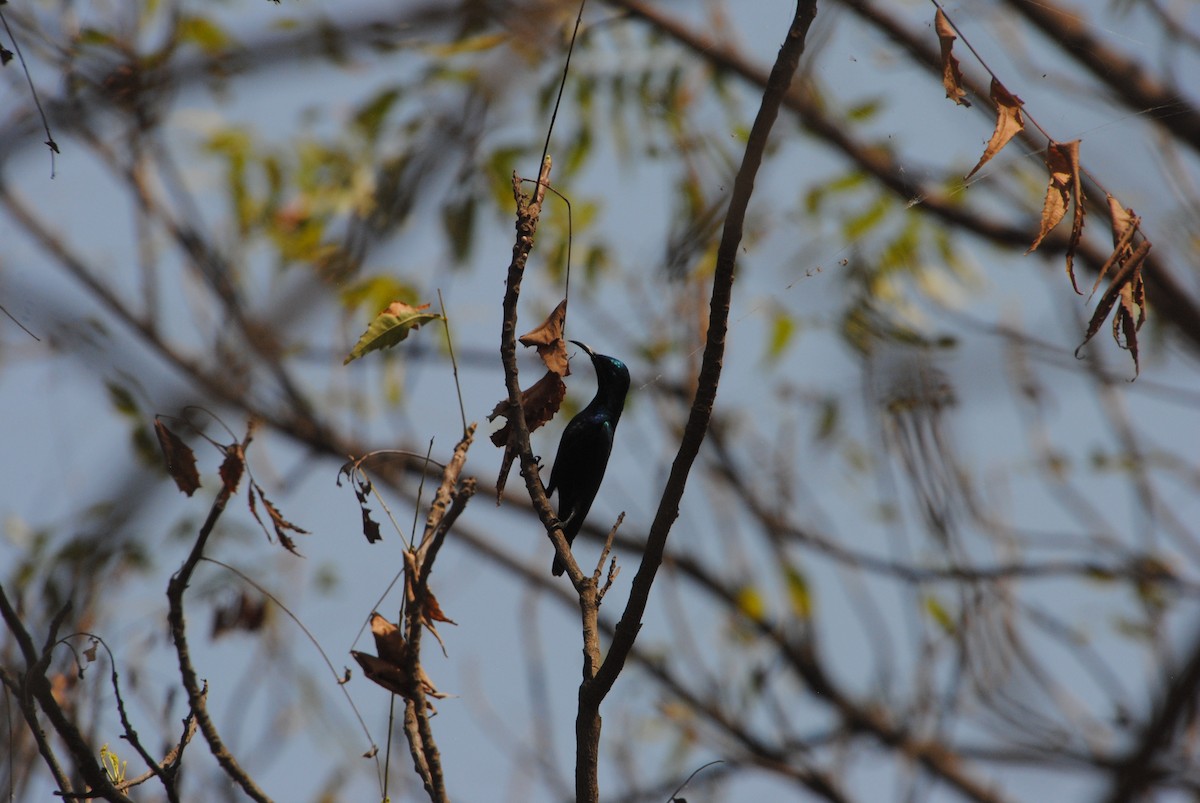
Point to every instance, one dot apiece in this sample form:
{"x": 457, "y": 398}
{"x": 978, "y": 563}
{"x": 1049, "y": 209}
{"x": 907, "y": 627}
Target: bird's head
{"x": 612, "y": 376}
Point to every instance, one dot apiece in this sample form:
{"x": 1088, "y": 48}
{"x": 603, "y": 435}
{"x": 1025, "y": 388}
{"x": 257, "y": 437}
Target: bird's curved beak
{"x": 585, "y": 347}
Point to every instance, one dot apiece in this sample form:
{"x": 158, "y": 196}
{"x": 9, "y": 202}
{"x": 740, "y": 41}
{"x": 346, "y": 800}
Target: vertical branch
{"x": 714, "y": 351}
{"x": 187, "y": 672}
{"x": 448, "y": 503}
{"x": 528, "y": 212}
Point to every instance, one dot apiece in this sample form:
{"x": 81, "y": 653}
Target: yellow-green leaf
{"x": 204, "y": 34}
{"x": 799, "y": 594}
{"x": 939, "y": 614}
{"x": 751, "y": 604}
{"x": 390, "y": 327}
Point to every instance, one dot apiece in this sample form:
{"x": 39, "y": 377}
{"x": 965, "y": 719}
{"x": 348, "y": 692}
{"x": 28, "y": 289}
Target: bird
{"x": 585, "y": 446}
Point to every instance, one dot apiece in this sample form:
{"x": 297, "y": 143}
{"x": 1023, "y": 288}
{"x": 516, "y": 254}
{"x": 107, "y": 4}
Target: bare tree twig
{"x": 187, "y": 672}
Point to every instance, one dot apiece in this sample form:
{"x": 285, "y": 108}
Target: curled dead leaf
{"x": 1009, "y": 122}
{"x": 951, "y": 75}
{"x": 1127, "y": 293}
{"x": 1062, "y": 161}
{"x": 548, "y": 338}
{"x": 389, "y": 641}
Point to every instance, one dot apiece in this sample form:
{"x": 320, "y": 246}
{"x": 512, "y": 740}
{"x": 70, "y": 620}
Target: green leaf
{"x": 458, "y": 222}
{"x": 799, "y": 594}
{"x": 474, "y": 44}
{"x": 204, "y": 34}
{"x": 860, "y": 224}
{"x": 783, "y": 327}
{"x": 750, "y": 603}
{"x": 939, "y": 614}
{"x": 370, "y": 116}
{"x": 122, "y": 399}
{"x": 390, "y": 327}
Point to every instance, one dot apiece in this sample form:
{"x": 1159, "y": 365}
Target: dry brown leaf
{"x": 231, "y": 467}
{"x": 434, "y": 612}
{"x": 951, "y": 75}
{"x": 1129, "y": 289}
{"x": 1062, "y": 160}
{"x": 541, "y": 403}
{"x": 389, "y": 641}
{"x": 180, "y": 459}
{"x": 1124, "y": 226}
{"x": 280, "y": 524}
{"x": 1009, "y": 121}
{"x": 396, "y": 679}
{"x": 548, "y": 338}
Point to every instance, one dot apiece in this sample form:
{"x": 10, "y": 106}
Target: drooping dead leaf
{"x": 180, "y": 459}
{"x": 1126, "y": 292}
{"x": 1124, "y": 226}
{"x": 390, "y": 327}
{"x": 90, "y": 652}
{"x": 433, "y": 611}
{"x": 1009, "y": 121}
{"x": 362, "y": 489}
{"x": 548, "y": 338}
{"x": 951, "y": 75}
{"x": 279, "y": 523}
{"x": 541, "y": 403}
{"x": 429, "y": 611}
{"x": 1062, "y": 161}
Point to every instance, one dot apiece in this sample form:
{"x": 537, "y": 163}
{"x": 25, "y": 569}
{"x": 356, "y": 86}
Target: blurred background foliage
{"x": 930, "y": 554}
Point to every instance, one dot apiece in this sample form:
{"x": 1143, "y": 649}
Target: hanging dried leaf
{"x": 1124, "y": 226}
{"x": 1009, "y": 121}
{"x": 1062, "y": 161}
{"x": 279, "y": 523}
{"x": 180, "y": 460}
{"x": 1127, "y": 288}
{"x": 390, "y": 327}
{"x": 549, "y": 340}
{"x": 429, "y": 611}
{"x": 541, "y": 403}
{"x": 362, "y": 490}
{"x": 951, "y": 75}
{"x": 433, "y": 611}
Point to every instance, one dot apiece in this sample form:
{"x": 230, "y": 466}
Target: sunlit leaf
{"x": 1009, "y": 122}
{"x": 391, "y": 327}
